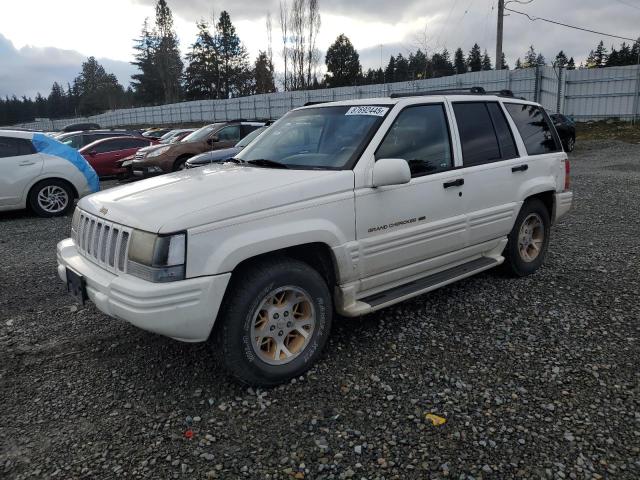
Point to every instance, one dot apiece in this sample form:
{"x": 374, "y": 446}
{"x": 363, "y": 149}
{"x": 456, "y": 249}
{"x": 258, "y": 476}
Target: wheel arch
{"x": 547, "y": 197}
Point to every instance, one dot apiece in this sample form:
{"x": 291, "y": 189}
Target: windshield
{"x": 200, "y": 134}
{"x": 320, "y": 137}
{"x": 249, "y": 138}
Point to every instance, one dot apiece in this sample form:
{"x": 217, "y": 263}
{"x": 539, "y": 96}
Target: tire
{"x": 532, "y": 226}
{"x": 51, "y": 198}
{"x": 179, "y": 164}
{"x": 273, "y": 284}
{"x": 570, "y": 144}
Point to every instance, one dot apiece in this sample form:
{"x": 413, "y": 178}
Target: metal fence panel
{"x": 587, "y": 94}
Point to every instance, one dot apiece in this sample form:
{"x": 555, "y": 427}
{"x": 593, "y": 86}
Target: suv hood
{"x": 190, "y": 198}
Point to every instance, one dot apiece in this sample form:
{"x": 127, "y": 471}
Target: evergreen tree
{"x": 486, "y": 61}
{"x": 518, "y": 63}
{"x": 474, "y": 59}
{"x": 343, "y": 63}
{"x": 503, "y": 62}
{"x": 625, "y": 57}
{"x": 418, "y": 65}
{"x": 591, "y": 60}
{"x": 390, "y": 71}
{"x": 441, "y": 64}
{"x": 56, "y": 107}
{"x": 167, "y": 54}
{"x": 530, "y": 58}
{"x": 234, "y": 66}
{"x": 97, "y": 90}
{"x": 540, "y": 60}
{"x": 571, "y": 64}
{"x": 600, "y": 55}
{"x": 402, "y": 68}
{"x": 264, "y": 74}
{"x": 202, "y": 72}
{"x": 459, "y": 63}
{"x": 145, "y": 84}
{"x": 561, "y": 60}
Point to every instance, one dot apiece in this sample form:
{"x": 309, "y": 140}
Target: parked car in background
{"x": 79, "y": 140}
{"x": 224, "y": 154}
{"x": 104, "y": 155}
{"x": 345, "y": 207}
{"x": 38, "y": 172}
{"x": 176, "y": 135}
{"x": 566, "y": 128}
{"x": 156, "y": 132}
{"x": 167, "y": 158}
{"x": 75, "y": 127}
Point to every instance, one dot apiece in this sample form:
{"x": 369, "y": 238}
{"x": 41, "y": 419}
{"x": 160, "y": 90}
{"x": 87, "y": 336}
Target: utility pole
{"x": 499, "y": 35}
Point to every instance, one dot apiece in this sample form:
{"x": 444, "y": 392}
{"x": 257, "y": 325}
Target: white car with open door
{"x": 344, "y": 207}
{"x": 40, "y": 173}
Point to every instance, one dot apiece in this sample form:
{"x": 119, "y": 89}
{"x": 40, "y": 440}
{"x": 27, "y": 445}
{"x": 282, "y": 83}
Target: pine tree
{"x": 418, "y": 64}
{"x": 571, "y": 64}
{"x": 530, "y": 58}
{"x": 613, "y": 60}
{"x": 591, "y": 60}
{"x": 486, "y": 61}
{"x": 540, "y": 60}
{"x": 474, "y": 60}
{"x": 441, "y": 64}
{"x": 625, "y": 56}
{"x": 503, "y": 62}
{"x": 202, "y": 73}
{"x": 264, "y": 74}
{"x": 600, "y": 55}
{"x": 97, "y": 90}
{"x": 518, "y": 63}
{"x": 234, "y": 65}
{"x": 390, "y": 71}
{"x": 561, "y": 60}
{"x": 56, "y": 101}
{"x": 146, "y": 84}
{"x": 167, "y": 54}
{"x": 343, "y": 63}
{"x": 402, "y": 68}
{"x": 459, "y": 63}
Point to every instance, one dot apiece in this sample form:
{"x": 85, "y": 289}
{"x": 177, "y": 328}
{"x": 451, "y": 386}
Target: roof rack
{"x": 308, "y": 104}
{"x": 455, "y": 91}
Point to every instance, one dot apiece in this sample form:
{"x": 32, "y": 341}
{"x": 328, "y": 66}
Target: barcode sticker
{"x": 365, "y": 110}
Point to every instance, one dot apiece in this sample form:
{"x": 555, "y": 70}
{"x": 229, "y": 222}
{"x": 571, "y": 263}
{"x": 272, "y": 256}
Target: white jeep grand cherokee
{"x": 344, "y": 207}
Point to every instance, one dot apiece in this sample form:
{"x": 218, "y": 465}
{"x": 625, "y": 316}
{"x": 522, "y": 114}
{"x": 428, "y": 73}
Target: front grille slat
{"x": 102, "y": 242}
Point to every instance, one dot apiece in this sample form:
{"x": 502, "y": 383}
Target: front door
{"x": 19, "y": 165}
{"x": 405, "y": 230}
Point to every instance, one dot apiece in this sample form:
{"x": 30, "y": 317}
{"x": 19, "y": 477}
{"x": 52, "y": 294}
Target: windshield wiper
{"x": 265, "y": 162}
{"x": 235, "y": 160}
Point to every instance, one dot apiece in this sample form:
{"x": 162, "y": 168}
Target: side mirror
{"x": 391, "y": 171}
{"x": 93, "y": 153}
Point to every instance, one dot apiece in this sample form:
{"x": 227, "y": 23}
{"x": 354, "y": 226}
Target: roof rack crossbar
{"x": 455, "y": 91}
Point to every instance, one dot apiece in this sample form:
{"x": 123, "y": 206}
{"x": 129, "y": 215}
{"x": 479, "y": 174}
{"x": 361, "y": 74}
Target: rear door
{"x": 491, "y": 168}
{"x": 404, "y": 230}
{"x": 19, "y": 165}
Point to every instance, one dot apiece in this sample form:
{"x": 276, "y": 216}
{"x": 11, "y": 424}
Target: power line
{"x": 533, "y": 19}
{"x": 629, "y": 4}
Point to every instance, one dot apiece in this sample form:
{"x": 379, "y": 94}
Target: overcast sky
{"x": 43, "y": 41}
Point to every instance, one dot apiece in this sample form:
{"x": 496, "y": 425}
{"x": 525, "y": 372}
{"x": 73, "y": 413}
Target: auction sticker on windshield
{"x": 364, "y": 110}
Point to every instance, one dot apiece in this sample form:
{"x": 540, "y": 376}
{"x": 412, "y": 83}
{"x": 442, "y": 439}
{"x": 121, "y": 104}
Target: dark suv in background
{"x": 566, "y": 130}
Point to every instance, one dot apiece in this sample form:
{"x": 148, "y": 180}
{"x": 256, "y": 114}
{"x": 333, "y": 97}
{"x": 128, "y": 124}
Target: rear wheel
{"x": 570, "y": 144}
{"x": 51, "y": 198}
{"x": 528, "y": 240}
{"x": 276, "y": 321}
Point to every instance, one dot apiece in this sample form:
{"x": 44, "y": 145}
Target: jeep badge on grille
{"x": 104, "y": 211}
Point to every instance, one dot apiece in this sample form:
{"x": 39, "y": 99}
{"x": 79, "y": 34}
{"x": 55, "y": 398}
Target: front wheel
{"x": 528, "y": 240}
{"x": 275, "y": 322}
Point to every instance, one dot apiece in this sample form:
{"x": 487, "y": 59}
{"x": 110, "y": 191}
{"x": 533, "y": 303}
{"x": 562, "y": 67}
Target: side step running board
{"x": 431, "y": 282}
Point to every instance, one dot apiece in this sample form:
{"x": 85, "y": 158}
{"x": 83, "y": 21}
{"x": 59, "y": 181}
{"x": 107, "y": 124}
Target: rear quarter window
{"x": 535, "y": 128}
{"x": 15, "y": 147}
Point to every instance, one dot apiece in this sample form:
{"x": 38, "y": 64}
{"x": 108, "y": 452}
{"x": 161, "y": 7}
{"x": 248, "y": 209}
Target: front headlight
{"x": 157, "y": 258}
{"x": 157, "y": 152}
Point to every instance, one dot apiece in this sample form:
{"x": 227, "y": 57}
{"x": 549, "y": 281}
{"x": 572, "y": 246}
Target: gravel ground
{"x": 536, "y": 377}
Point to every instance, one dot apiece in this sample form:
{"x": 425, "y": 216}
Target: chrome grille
{"x": 104, "y": 243}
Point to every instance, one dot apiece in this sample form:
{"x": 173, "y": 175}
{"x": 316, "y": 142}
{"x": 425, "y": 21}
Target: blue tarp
{"x": 50, "y": 146}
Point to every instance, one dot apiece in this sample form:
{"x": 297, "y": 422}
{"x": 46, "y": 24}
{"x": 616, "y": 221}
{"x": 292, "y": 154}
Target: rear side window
{"x": 15, "y": 147}
{"x": 534, "y": 127}
{"x": 420, "y": 135}
{"x": 506, "y": 142}
{"x": 477, "y": 135}
{"x": 230, "y": 133}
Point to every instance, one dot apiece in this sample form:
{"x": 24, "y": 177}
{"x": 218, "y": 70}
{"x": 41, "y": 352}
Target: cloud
{"x": 29, "y": 70}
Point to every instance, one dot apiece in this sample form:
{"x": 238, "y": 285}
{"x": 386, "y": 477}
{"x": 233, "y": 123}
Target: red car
{"x": 106, "y": 154}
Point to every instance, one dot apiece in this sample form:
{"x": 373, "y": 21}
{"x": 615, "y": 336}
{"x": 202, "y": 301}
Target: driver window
{"x": 420, "y": 135}
{"x": 229, "y": 133}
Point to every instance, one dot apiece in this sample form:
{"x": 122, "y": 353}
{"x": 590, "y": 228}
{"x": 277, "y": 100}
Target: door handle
{"x": 24, "y": 164}
{"x": 454, "y": 183}
{"x": 521, "y": 168}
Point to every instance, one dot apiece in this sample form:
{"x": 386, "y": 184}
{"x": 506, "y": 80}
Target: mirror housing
{"x": 391, "y": 171}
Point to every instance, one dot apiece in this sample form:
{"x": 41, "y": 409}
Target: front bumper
{"x": 562, "y": 205}
{"x": 184, "y": 310}
{"x": 141, "y": 171}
